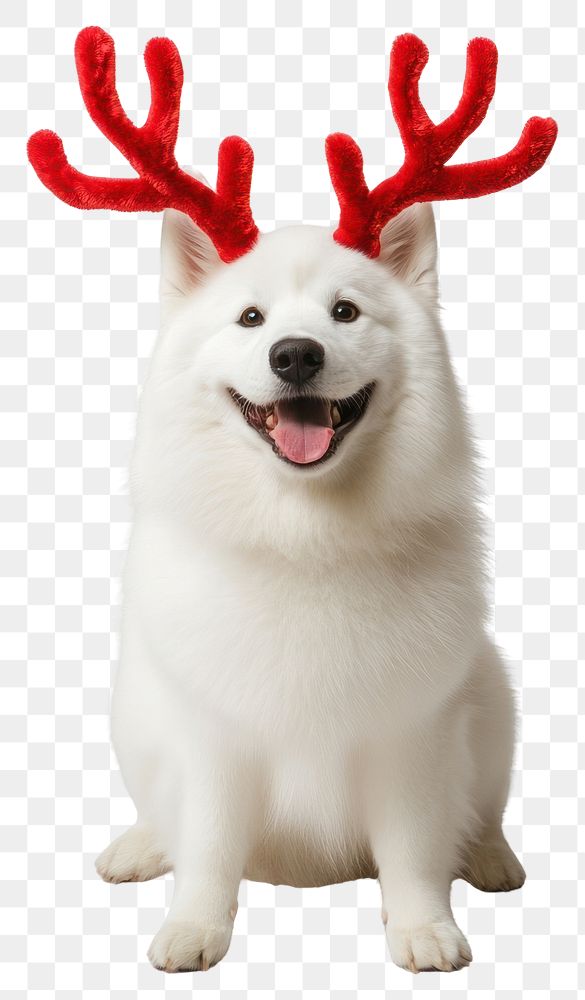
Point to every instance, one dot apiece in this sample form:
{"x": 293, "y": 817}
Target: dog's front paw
{"x": 435, "y": 946}
{"x": 187, "y": 946}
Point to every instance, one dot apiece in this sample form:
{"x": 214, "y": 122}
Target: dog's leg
{"x": 135, "y": 856}
{"x": 213, "y": 843}
{"x": 419, "y": 810}
{"x": 489, "y": 863}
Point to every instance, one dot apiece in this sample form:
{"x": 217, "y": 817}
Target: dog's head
{"x": 294, "y": 367}
{"x": 302, "y": 373}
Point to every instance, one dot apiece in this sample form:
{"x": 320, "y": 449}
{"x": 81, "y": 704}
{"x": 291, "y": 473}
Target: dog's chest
{"x": 290, "y": 647}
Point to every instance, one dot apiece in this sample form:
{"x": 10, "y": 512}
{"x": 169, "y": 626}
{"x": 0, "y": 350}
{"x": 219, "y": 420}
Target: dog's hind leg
{"x": 133, "y": 857}
{"x": 491, "y": 865}
{"x": 488, "y": 862}
{"x": 138, "y": 728}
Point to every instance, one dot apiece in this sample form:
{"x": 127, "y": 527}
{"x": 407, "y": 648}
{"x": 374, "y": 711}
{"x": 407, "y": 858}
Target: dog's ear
{"x": 409, "y": 249}
{"x": 188, "y": 257}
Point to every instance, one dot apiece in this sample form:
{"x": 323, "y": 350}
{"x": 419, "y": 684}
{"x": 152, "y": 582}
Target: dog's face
{"x": 302, "y": 366}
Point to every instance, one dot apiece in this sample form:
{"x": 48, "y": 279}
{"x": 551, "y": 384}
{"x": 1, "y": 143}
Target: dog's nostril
{"x": 296, "y": 359}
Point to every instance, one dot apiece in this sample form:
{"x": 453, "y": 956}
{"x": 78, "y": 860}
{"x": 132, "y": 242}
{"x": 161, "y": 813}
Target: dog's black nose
{"x": 296, "y": 360}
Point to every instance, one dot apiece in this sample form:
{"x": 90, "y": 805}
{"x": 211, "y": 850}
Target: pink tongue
{"x": 304, "y": 430}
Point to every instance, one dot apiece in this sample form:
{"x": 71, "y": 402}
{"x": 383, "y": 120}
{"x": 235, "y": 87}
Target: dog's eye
{"x": 251, "y": 317}
{"x": 344, "y": 311}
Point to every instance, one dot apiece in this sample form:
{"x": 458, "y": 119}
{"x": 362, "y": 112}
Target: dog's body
{"x": 307, "y": 693}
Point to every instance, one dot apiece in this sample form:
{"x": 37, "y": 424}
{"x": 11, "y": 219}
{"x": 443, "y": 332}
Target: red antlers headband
{"x": 225, "y": 214}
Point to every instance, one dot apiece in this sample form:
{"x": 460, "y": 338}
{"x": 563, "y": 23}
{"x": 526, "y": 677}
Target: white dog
{"x": 307, "y": 693}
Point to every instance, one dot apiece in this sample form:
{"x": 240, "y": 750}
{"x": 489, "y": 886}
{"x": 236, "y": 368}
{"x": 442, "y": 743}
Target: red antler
{"x": 423, "y": 176}
{"x": 224, "y": 214}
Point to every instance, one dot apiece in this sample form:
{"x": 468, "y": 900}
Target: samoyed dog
{"x": 307, "y": 692}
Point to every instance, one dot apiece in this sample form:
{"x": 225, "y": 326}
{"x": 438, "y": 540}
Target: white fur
{"x": 306, "y": 691}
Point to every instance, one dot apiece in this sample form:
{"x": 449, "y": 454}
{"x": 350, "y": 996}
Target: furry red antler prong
{"x": 224, "y": 214}
{"x": 423, "y": 175}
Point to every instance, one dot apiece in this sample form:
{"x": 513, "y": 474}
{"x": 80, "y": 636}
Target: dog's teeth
{"x": 335, "y": 416}
{"x": 270, "y": 421}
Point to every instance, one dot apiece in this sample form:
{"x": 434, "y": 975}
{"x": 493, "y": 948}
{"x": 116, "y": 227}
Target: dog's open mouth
{"x": 305, "y": 430}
